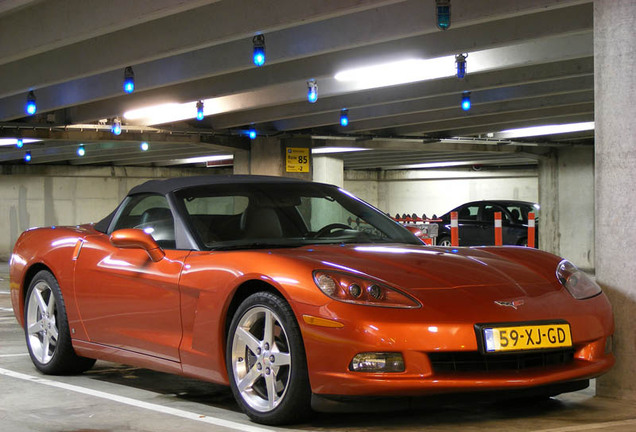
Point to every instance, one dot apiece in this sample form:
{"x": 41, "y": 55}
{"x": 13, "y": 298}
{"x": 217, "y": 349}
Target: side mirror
{"x": 415, "y": 231}
{"x": 131, "y": 238}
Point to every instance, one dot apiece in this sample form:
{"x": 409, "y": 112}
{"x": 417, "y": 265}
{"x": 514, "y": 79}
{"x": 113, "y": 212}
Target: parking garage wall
{"x": 33, "y": 196}
{"x": 438, "y": 191}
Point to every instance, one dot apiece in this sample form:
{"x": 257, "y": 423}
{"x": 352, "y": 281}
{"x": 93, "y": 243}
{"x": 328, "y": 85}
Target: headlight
{"x": 350, "y": 288}
{"x": 580, "y": 285}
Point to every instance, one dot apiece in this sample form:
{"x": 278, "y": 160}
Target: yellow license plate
{"x": 527, "y": 337}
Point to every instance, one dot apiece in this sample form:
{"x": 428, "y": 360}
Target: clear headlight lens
{"x": 579, "y": 284}
{"x": 350, "y": 288}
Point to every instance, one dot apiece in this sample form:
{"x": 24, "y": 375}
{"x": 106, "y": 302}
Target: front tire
{"x": 46, "y": 329}
{"x": 266, "y": 361}
{"x": 444, "y": 241}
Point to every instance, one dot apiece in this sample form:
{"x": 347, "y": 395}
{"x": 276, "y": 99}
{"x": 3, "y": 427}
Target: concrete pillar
{"x": 576, "y": 205}
{"x": 615, "y": 180}
{"x": 268, "y": 156}
{"x": 328, "y": 170}
{"x": 549, "y": 201}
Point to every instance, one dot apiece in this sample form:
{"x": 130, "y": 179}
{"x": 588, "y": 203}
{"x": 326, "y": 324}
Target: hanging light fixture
{"x": 344, "y": 117}
{"x": 466, "y": 100}
{"x": 116, "y": 126}
{"x": 27, "y": 156}
{"x": 31, "y": 106}
{"x": 443, "y": 14}
{"x": 80, "y": 150}
{"x": 252, "y": 133}
{"x": 312, "y": 91}
{"x": 200, "y": 110}
{"x": 144, "y": 146}
{"x": 460, "y": 63}
{"x": 19, "y": 143}
{"x": 259, "y": 49}
{"x": 129, "y": 80}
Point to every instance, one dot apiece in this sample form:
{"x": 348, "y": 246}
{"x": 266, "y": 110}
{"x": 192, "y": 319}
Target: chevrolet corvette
{"x": 295, "y": 293}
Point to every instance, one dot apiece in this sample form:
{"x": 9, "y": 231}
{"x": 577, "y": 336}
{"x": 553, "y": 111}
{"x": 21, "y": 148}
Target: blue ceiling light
{"x": 200, "y": 110}
{"x": 252, "y": 133}
{"x": 312, "y": 91}
{"x": 466, "y": 100}
{"x": 460, "y": 63}
{"x": 81, "y": 151}
{"x": 19, "y": 143}
{"x": 129, "y": 80}
{"x": 31, "y": 106}
{"x": 27, "y": 156}
{"x": 144, "y": 146}
{"x": 344, "y": 117}
{"x": 116, "y": 126}
{"x": 443, "y": 14}
{"x": 259, "y": 49}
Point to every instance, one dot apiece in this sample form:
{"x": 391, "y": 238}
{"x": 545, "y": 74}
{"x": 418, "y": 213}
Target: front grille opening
{"x": 477, "y": 362}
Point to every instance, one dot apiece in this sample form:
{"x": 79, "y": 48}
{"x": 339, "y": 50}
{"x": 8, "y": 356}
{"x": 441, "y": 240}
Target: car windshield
{"x": 242, "y": 216}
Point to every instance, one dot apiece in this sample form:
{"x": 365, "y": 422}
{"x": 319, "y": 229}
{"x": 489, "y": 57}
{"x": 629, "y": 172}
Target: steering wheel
{"x": 328, "y": 228}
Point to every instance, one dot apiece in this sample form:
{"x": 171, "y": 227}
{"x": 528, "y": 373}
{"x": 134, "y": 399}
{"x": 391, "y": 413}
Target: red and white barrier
{"x": 531, "y": 228}
{"x": 454, "y": 229}
{"x": 498, "y": 230}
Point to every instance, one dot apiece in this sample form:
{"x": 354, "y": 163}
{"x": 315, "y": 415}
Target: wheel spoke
{"x": 36, "y": 327}
{"x": 282, "y": 359}
{"x": 268, "y": 333}
{"x": 248, "y": 380}
{"x": 53, "y": 334}
{"x": 272, "y": 396}
{"x": 248, "y": 339}
{"x": 40, "y": 300}
{"x": 45, "y": 348}
{"x": 51, "y": 306}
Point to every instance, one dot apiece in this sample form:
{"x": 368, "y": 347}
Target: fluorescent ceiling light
{"x": 322, "y": 150}
{"x": 213, "y": 158}
{"x": 399, "y": 72}
{"x": 14, "y": 141}
{"x": 545, "y": 130}
{"x": 434, "y": 165}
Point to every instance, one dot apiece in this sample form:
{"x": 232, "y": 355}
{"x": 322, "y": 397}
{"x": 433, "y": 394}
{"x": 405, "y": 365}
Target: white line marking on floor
{"x": 136, "y": 403}
{"x": 592, "y": 426}
{"x": 13, "y": 355}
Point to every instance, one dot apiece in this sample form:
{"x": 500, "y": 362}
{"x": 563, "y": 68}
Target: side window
{"x": 216, "y": 218}
{"x": 150, "y": 213}
{"x": 488, "y": 213}
{"x": 468, "y": 212}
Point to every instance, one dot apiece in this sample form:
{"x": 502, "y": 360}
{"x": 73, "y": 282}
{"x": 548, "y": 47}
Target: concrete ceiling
{"x": 530, "y": 63}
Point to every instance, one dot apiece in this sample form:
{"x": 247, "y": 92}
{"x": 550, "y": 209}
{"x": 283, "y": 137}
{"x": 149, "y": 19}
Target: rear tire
{"x": 266, "y": 362}
{"x": 46, "y": 329}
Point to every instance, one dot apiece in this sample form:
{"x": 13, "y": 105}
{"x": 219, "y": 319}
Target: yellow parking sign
{"x": 297, "y": 159}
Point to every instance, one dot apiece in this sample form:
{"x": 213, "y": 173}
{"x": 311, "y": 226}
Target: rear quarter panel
{"x": 44, "y": 249}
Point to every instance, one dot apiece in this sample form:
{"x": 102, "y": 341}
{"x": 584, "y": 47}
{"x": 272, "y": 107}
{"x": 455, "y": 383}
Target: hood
{"x": 415, "y": 268}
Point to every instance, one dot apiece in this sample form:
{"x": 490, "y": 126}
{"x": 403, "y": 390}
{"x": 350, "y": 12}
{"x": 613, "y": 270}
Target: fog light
{"x": 377, "y": 362}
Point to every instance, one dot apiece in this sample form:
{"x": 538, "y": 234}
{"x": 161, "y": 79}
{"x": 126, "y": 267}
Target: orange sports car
{"x": 296, "y": 294}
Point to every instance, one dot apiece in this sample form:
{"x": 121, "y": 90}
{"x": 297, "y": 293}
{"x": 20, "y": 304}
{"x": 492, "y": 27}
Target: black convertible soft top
{"x": 166, "y": 186}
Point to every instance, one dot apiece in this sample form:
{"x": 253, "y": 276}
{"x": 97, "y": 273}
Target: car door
{"x": 468, "y": 225}
{"x": 124, "y": 298}
{"x": 487, "y": 222}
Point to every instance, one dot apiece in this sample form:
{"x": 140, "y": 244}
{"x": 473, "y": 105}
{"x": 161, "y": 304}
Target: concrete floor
{"x": 114, "y": 397}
